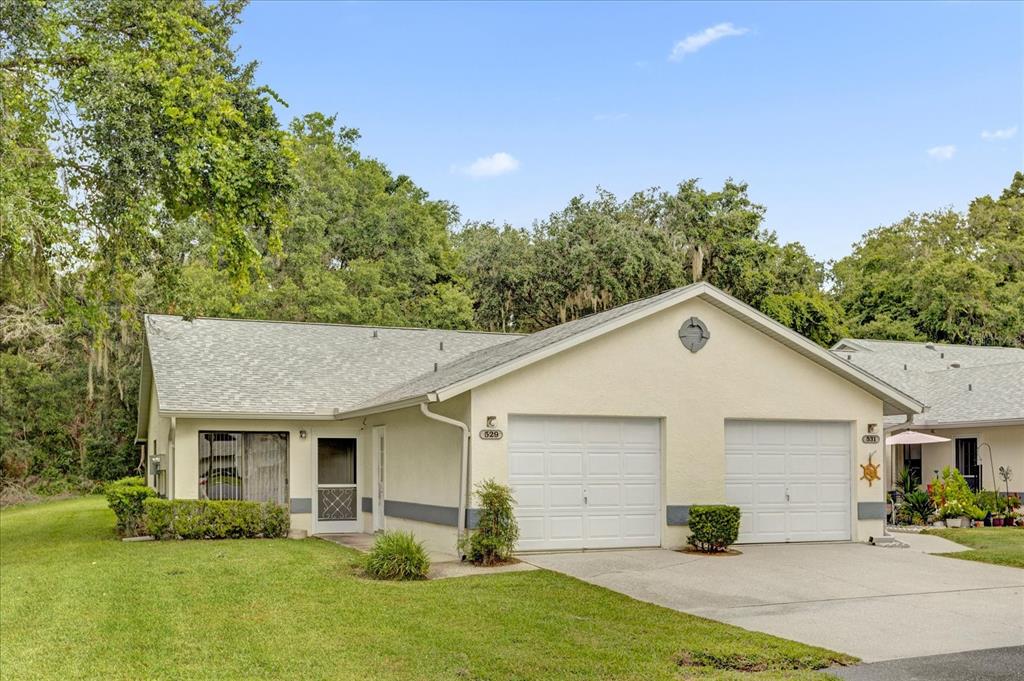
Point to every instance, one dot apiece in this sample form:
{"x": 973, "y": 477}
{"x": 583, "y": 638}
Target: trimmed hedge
{"x": 713, "y": 528}
{"x": 200, "y": 519}
{"x": 397, "y": 555}
{"x": 126, "y": 498}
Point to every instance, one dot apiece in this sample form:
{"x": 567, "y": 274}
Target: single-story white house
{"x": 974, "y": 397}
{"x": 608, "y": 428}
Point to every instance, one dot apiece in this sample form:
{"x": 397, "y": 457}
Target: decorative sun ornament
{"x": 870, "y": 471}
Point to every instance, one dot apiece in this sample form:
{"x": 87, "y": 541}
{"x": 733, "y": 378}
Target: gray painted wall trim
{"x": 677, "y": 515}
{"x": 367, "y": 504}
{"x": 425, "y": 513}
{"x": 301, "y": 505}
{"x": 870, "y": 510}
{"x": 472, "y": 518}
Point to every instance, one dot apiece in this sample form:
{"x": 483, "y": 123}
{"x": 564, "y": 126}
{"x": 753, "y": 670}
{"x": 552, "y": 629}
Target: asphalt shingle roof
{"x": 260, "y": 367}
{"x": 987, "y": 386}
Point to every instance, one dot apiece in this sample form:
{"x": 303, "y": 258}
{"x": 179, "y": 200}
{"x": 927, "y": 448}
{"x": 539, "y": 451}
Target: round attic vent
{"x": 694, "y": 334}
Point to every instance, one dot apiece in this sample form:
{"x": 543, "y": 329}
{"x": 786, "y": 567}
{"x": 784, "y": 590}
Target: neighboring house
{"x": 608, "y": 428}
{"x": 973, "y": 395}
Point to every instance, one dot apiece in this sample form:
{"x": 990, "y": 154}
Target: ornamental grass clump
{"x": 396, "y": 555}
{"x": 713, "y": 528}
{"x": 497, "y": 531}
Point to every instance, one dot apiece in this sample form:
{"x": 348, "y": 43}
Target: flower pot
{"x": 952, "y": 522}
{"x": 979, "y": 523}
{"x": 997, "y": 522}
{"x": 965, "y": 521}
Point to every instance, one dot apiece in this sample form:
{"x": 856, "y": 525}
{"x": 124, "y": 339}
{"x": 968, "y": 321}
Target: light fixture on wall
{"x": 302, "y": 435}
{"x": 490, "y": 421}
{"x": 872, "y": 427}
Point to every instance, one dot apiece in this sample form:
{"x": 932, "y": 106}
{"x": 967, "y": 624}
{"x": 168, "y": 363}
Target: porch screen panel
{"x": 243, "y": 466}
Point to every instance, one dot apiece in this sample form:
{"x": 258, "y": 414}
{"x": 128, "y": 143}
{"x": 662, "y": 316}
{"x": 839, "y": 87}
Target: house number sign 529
{"x": 490, "y": 434}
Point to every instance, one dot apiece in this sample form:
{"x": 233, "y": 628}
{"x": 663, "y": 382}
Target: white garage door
{"x": 585, "y": 482}
{"x": 791, "y": 479}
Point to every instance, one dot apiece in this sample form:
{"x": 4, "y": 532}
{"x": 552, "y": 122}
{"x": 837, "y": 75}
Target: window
{"x": 243, "y": 466}
{"x": 912, "y": 461}
{"x": 967, "y": 461}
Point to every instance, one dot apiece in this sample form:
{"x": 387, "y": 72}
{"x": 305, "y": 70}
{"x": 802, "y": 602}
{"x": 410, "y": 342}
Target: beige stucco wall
{"x": 1007, "y": 443}
{"x": 643, "y": 370}
{"x": 422, "y": 466}
{"x": 157, "y": 437}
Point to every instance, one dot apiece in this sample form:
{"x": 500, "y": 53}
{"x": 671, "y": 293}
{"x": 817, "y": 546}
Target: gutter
{"x": 464, "y": 470}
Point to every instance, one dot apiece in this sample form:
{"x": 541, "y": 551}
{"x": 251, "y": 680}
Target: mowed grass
{"x": 75, "y": 602}
{"x": 997, "y": 545}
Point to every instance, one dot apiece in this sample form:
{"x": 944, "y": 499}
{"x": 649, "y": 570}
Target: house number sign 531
{"x": 490, "y": 434}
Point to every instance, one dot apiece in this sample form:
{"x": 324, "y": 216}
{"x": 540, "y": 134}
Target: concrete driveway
{"x": 875, "y": 603}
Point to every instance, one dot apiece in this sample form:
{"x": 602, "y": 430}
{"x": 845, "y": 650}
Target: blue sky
{"x": 841, "y": 117}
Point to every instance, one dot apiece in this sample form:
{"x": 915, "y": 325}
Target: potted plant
{"x": 978, "y": 516}
{"x": 997, "y": 520}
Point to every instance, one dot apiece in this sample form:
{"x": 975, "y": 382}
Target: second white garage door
{"x": 791, "y": 479}
{"x": 584, "y": 482}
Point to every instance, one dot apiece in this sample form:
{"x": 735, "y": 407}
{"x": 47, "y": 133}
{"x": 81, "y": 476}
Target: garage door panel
{"x": 769, "y": 463}
{"x": 770, "y": 493}
{"x": 565, "y": 496}
{"x": 740, "y": 463}
{"x": 563, "y": 431}
{"x": 641, "y": 433}
{"x": 642, "y": 463}
{"x": 529, "y": 496}
{"x": 614, "y": 464}
{"x": 602, "y": 431}
{"x": 640, "y": 526}
{"x": 607, "y": 494}
{"x": 565, "y": 464}
{"x": 640, "y": 494}
{"x": 565, "y": 526}
{"x": 767, "y": 433}
{"x": 604, "y": 464}
{"x": 526, "y": 463}
{"x": 806, "y": 460}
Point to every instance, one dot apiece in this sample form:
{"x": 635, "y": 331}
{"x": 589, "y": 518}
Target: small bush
{"x": 916, "y": 508}
{"x": 397, "y": 555}
{"x": 126, "y": 497}
{"x": 200, "y": 519}
{"x": 497, "y": 530}
{"x": 713, "y": 528}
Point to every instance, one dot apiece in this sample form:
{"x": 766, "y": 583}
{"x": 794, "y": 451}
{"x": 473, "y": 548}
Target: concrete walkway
{"x": 875, "y": 603}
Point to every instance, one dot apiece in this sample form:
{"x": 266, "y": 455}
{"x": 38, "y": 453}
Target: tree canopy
{"x": 142, "y": 169}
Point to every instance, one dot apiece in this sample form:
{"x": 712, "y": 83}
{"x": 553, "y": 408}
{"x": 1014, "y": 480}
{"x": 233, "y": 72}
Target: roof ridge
{"x": 971, "y": 368}
{"x": 149, "y": 315}
{"x": 923, "y": 343}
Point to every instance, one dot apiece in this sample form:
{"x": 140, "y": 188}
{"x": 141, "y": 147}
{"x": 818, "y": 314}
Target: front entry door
{"x": 336, "y": 489}
{"x": 379, "y": 448}
{"x": 967, "y": 461}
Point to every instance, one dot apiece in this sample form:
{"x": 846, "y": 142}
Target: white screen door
{"x": 336, "y": 489}
{"x": 379, "y": 449}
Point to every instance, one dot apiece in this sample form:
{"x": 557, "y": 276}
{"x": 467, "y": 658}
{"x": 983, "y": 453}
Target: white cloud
{"x": 610, "y": 116}
{"x": 942, "y": 153}
{"x": 496, "y": 164}
{"x": 698, "y": 41}
{"x": 1004, "y": 134}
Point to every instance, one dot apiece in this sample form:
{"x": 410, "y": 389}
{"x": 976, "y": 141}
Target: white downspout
{"x": 463, "y": 482}
{"x": 172, "y": 437}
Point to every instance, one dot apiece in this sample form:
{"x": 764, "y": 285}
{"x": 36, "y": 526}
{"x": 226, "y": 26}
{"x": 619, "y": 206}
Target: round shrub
{"x": 713, "y": 528}
{"x": 125, "y": 497}
{"x": 397, "y": 555}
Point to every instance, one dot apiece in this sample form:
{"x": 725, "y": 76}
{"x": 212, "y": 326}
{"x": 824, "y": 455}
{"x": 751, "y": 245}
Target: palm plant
{"x": 917, "y": 506}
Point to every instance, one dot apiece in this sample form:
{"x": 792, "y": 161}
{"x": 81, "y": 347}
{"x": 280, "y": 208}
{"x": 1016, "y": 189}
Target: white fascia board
{"x": 340, "y": 414}
{"x": 968, "y": 424}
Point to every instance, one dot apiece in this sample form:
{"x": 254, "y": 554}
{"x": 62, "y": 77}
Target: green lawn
{"x": 998, "y": 545}
{"x": 77, "y": 603}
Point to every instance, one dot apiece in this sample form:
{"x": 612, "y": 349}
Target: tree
{"x": 942, "y": 276}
